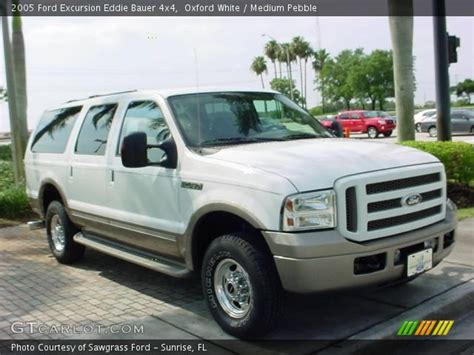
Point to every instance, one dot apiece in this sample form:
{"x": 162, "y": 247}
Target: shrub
{"x": 457, "y": 157}
{"x": 13, "y": 200}
{"x": 6, "y": 152}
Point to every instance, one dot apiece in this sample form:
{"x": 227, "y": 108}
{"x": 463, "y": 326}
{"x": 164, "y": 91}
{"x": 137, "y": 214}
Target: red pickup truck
{"x": 371, "y": 122}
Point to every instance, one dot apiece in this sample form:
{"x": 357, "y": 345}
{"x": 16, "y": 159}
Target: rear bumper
{"x": 324, "y": 261}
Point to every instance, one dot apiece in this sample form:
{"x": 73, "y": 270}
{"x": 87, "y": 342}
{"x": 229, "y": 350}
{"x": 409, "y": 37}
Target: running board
{"x": 134, "y": 256}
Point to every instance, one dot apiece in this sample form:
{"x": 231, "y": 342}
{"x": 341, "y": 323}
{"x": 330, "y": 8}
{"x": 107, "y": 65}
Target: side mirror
{"x": 135, "y": 148}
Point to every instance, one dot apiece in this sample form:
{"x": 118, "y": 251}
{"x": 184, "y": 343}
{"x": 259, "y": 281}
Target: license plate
{"x": 419, "y": 262}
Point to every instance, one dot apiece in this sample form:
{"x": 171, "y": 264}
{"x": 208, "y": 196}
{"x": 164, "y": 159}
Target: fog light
{"x": 398, "y": 256}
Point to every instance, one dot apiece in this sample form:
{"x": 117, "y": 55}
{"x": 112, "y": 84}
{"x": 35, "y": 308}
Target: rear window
{"x": 54, "y": 130}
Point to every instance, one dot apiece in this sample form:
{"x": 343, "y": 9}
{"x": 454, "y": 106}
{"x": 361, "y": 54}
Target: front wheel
{"x": 372, "y": 132}
{"x": 241, "y": 286}
{"x": 432, "y": 131}
{"x": 387, "y": 134}
{"x": 60, "y": 231}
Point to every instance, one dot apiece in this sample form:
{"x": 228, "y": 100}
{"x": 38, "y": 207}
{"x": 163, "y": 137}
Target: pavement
{"x": 108, "y": 293}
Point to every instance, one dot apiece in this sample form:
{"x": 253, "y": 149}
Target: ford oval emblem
{"x": 412, "y": 200}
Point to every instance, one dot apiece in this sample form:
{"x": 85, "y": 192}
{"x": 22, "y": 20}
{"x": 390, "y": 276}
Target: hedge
{"x": 457, "y": 157}
{"x": 5, "y": 152}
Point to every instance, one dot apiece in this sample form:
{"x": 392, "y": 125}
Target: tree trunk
{"x": 301, "y": 82}
{"x": 279, "y": 63}
{"x": 348, "y": 104}
{"x": 17, "y": 146}
{"x": 261, "y": 78}
{"x": 305, "y": 81}
{"x": 19, "y": 68}
{"x": 401, "y": 29}
{"x": 275, "y": 67}
{"x": 374, "y": 102}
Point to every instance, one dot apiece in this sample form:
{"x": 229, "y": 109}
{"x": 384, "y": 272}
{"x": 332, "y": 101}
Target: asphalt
{"x": 337, "y": 323}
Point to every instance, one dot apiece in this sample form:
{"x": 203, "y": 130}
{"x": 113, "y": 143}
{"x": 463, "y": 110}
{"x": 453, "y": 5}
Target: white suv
{"x": 244, "y": 187}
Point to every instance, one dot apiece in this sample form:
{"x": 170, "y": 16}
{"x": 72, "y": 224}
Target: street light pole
{"x": 443, "y": 122}
{"x": 287, "y": 59}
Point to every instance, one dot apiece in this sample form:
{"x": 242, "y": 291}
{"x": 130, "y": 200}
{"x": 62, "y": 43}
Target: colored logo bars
{"x": 425, "y": 327}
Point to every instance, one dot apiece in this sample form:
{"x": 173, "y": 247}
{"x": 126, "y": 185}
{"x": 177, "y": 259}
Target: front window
{"x": 371, "y": 114}
{"x": 212, "y": 119}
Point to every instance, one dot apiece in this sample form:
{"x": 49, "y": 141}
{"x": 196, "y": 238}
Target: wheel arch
{"x": 214, "y": 220}
{"x": 50, "y": 191}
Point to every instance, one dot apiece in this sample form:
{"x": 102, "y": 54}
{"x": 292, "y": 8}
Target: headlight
{"x": 382, "y": 122}
{"x": 310, "y": 210}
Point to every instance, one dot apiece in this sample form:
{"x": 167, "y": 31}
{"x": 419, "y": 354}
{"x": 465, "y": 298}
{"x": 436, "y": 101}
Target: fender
{"x": 205, "y": 210}
{"x": 49, "y": 181}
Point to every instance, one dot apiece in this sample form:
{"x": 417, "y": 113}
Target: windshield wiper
{"x": 300, "y": 136}
{"x": 238, "y": 140}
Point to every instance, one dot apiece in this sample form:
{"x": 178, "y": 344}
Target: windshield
{"x": 242, "y": 117}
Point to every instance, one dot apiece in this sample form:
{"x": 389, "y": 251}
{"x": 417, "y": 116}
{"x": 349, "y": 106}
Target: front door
{"x": 357, "y": 122}
{"x": 143, "y": 202}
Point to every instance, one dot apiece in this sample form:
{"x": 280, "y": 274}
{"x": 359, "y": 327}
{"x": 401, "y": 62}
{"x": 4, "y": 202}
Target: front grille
{"x": 402, "y": 183}
{"x": 351, "y": 209}
{"x": 406, "y": 218}
{"x": 371, "y": 205}
{"x": 397, "y": 202}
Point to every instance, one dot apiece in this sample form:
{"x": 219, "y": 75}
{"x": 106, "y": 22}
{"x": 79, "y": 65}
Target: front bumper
{"x": 324, "y": 260}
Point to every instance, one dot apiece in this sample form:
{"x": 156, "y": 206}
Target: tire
{"x": 418, "y": 127}
{"x": 60, "y": 232}
{"x": 432, "y": 131}
{"x": 372, "y": 132}
{"x": 251, "y": 268}
{"x": 387, "y": 134}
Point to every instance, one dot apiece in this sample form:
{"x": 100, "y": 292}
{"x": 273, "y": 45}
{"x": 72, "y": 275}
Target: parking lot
{"x": 104, "y": 291}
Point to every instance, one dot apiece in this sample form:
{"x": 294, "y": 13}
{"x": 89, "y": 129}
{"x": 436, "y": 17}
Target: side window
{"x": 147, "y": 117}
{"x": 94, "y": 132}
{"x": 344, "y": 116}
{"x": 54, "y": 130}
{"x": 456, "y": 116}
{"x": 356, "y": 116}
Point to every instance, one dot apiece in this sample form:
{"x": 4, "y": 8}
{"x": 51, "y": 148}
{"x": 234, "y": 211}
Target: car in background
{"x": 373, "y": 123}
{"x": 462, "y": 121}
{"x": 421, "y": 116}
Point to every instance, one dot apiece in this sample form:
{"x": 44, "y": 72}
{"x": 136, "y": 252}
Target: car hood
{"x": 312, "y": 164}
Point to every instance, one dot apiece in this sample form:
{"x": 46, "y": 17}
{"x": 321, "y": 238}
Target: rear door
{"x": 357, "y": 122}
{"x": 344, "y": 120}
{"x": 87, "y": 172}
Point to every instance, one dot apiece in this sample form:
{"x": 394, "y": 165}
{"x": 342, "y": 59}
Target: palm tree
{"x": 259, "y": 66}
{"x": 321, "y": 57}
{"x": 401, "y": 30}
{"x": 302, "y": 50}
{"x": 297, "y": 47}
{"x": 271, "y": 51}
{"x": 19, "y": 68}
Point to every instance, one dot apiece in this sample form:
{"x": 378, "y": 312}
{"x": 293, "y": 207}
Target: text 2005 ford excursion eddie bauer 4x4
{"x": 245, "y": 187}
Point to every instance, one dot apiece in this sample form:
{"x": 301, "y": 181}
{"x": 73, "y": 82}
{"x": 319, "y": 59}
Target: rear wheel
{"x": 372, "y": 132}
{"x": 60, "y": 232}
{"x": 387, "y": 134}
{"x": 241, "y": 286}
{"x": 432, "y": 131}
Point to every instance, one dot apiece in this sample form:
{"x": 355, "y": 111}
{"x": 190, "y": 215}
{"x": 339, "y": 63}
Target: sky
{"x": 69, "y": 58}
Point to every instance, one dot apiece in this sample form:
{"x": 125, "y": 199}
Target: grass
{"x": 465, "y": 213}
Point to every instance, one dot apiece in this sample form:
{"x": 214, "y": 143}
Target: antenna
{"x": 197, "y": 96}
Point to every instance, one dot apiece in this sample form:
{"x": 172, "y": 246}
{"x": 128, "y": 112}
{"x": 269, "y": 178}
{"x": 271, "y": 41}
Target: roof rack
{"x": 103, "y": 95}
